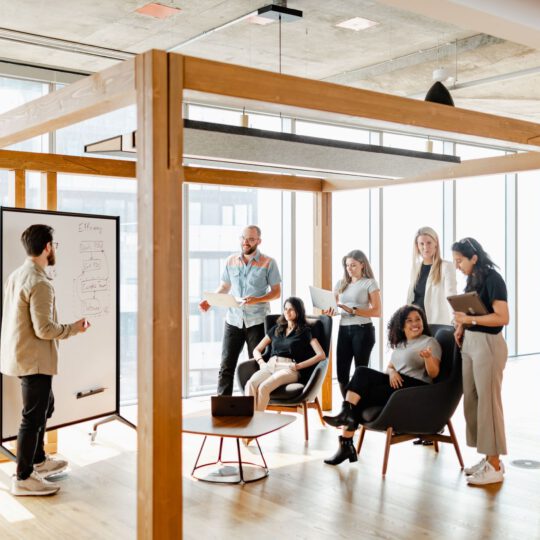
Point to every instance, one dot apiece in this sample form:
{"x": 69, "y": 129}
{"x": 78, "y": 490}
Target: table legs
{"x": 238, "y": 475}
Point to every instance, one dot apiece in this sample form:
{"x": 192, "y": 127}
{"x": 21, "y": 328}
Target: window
{"x": 210, "y": 243}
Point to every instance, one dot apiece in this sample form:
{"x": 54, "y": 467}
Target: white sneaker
{"x": 33, "y": 485}
{"x": 487, "y": 475}
{"x": 475, "y": 468}
{"x": 50, "y": 466}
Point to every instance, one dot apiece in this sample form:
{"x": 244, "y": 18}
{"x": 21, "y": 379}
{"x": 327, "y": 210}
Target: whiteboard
{"x": 85, "y": 278}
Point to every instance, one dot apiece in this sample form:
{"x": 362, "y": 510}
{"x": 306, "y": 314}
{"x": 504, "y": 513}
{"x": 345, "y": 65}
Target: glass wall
{"x": 217, "y": 216}
{"x": 528, "y": 291}
{"x": 406, "y": 209}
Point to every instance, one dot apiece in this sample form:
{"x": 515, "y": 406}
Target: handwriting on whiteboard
{"x": 92, "y": 285}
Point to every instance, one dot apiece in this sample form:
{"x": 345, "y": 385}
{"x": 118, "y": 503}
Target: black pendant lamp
{"x": 438, "y": 93}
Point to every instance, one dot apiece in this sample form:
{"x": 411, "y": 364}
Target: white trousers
{"x": 276, "y": 372}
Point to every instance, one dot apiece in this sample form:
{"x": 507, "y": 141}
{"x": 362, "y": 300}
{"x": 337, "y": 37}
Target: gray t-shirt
{"x": 356, "y": 295}
{"x": 407, "y": 360}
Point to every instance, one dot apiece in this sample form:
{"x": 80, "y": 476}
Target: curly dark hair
{"x": 469, "y": 247}
{"x": 396, "y": 325}
{"x": 300, "y": 321}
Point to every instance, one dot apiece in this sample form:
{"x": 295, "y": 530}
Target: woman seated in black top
{"x": 294, "y": 353}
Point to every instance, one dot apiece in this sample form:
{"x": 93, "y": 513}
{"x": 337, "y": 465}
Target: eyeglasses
{"x": 249, "y": 239}
{"x": 468, "y": 241}
{"x": 54, "y": 245}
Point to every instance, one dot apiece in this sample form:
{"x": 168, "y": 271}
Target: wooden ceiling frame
{"x": 159, "y": 82}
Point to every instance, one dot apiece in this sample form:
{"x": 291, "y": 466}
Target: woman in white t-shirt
{"x": 432, "y": 278}
{"x": 359, "y": 297}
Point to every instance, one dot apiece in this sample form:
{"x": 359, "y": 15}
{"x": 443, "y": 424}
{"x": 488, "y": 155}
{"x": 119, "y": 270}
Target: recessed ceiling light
{"x": 357, "y": 23}
{"x": 263, "y": 21}
{"x": 159, "y": 11}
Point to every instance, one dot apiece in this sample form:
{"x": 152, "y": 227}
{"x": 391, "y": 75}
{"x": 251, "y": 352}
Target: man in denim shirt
{"x": 255, "y": 278}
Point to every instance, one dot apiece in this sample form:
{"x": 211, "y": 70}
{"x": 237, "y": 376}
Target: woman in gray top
{"x": 415, "y": 361}
{"x": 358, "y": 296}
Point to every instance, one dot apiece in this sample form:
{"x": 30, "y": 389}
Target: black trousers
{"x": 234, "y": 339}
{"x": 374, "y": 388}
{"x": 38, "y": 407}
{"x": 354, "y": 341}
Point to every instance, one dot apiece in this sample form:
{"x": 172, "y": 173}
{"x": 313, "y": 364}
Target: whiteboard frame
{"x": 116, "y": 412}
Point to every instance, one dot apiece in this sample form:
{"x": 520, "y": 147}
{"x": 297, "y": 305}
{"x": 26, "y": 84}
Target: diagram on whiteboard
{"x": 92, "y": 286}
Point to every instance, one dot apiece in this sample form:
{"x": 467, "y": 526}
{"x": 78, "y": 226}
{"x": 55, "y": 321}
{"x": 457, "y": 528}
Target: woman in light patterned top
{"x": 415, "y": 361}
{"x": 359, "y": 297}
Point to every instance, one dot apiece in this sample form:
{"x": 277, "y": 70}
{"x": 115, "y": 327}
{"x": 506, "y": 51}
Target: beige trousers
{"x": 272, "y": 375}
{"x": 484, "y": 358}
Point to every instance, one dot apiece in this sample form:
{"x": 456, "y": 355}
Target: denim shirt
{"x": 252, "y": 279}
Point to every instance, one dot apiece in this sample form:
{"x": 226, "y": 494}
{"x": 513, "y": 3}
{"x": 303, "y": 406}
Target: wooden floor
{"x": 424, "y": 495}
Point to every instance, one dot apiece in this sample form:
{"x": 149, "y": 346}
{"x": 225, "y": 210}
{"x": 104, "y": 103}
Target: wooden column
{"x": 159, "y": 174}
{"x": 322, "y": 268}
{"x": 20, "y": 188}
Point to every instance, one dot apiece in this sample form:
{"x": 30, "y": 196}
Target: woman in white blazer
{"x": 432, "y": 278}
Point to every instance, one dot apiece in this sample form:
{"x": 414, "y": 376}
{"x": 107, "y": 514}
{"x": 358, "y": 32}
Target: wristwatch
{"x": 352, "y": 310}
{"x": 474, "y": 322}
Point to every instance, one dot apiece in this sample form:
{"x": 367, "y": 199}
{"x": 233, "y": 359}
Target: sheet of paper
{"x": 221, "y": 300}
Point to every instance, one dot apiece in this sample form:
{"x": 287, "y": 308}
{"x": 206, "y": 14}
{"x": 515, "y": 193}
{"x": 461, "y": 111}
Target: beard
{"x": 249, "y": 250}
{"x": 51, "y": 258}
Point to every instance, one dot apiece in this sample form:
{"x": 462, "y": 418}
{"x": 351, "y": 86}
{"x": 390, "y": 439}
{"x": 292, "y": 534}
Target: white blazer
{"x": 438, "y": 310}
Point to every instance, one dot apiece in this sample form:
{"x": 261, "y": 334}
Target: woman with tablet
{"x": 432, "y": 278}
{"x": 484, "y": 354}
{"x": 359, "y": 297}
{"x": 415, "y": 361}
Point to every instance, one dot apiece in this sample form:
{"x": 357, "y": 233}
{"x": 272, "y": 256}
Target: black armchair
{"x": 421, "y": 411}
{"x": 295, "y": 396}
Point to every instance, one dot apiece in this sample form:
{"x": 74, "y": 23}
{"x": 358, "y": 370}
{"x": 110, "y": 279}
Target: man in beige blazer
{"x": 29, "y": 350}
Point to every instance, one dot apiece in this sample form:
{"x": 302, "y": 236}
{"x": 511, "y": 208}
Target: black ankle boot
{"x": 345, "y": 451}
{"x": 344, "y": 418}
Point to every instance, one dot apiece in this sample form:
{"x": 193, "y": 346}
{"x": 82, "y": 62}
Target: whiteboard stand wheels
{"x": 108, "y": 419}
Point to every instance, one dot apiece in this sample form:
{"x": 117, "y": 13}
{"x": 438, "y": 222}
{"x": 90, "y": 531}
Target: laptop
{"x": 322, "y": 299}
{"x": 232, "y": 405}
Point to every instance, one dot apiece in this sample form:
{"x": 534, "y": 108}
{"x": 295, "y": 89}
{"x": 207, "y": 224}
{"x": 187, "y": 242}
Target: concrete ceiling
{"x": 396, "y": 56}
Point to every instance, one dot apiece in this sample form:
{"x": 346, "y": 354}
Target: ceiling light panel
{"x": 357, "y": 23}
{"x": 158, "y": 11}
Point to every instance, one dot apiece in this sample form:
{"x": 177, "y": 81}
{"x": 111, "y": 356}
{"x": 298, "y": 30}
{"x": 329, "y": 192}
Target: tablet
{"x": 322, "y": 298}
{"x": 469, "y": 303}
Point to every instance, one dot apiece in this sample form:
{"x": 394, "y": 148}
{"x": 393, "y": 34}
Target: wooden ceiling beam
{"x": 92, "y": 96}
{"x": 266, "y": 87}
{"x": 59, "y": 163}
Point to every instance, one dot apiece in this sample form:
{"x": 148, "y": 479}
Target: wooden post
{"x": 20, "y": 188}
{"x": 159, "y": 174}
{"x": 322, "y": 269}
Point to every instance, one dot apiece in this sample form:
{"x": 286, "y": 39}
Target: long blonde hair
{"x": 359, "y": 256}
{"x": 417, "y": 259}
